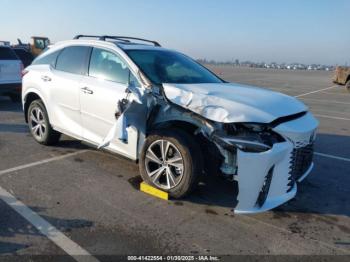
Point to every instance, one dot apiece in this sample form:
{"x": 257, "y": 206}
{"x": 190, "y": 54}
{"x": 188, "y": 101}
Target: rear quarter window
{"x": 7, "y": 54}
{"x": 49, "y": 59}
{"x": 73, "y": 59}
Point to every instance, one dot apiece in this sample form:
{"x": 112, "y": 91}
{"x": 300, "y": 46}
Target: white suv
{"x": 172, "y": 115}
{"x": 10, "y": 73}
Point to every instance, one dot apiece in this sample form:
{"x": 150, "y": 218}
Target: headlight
{"x": 245, "y": 145}
{"x": 248, "y": 137}
{"x": 241, "y": 143}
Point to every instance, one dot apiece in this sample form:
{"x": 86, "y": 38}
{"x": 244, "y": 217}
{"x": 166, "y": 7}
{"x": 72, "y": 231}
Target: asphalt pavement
{"x": 73, "y": 200}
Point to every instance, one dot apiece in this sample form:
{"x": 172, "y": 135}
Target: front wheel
{"x": 171, "y": 161}
{"x": 39, "y": 124}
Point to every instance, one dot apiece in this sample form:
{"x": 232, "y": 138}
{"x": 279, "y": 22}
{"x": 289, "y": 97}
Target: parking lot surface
{"x": 71, "y": 199}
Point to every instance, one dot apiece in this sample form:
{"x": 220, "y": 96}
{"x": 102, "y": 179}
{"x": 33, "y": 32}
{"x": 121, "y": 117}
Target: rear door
{"x": 10, "y": 66}
{"x": 64, "y": 81}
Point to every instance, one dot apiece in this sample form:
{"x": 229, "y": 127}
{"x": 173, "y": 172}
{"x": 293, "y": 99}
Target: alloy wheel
{"x": 38, "y": 123}
{"x": 164, "y": 164}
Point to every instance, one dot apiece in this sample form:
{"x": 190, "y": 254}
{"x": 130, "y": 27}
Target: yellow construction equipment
{"x": 37, "y": 45}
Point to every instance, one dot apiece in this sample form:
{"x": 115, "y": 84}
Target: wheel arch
{"x": 29, "y": 97}
{"x": 187, "y": 126}
{"x": 194, "y": 125}
{"x": 201, "y": 131}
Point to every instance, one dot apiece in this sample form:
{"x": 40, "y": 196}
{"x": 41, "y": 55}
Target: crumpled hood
{"x": 230, "y": 102}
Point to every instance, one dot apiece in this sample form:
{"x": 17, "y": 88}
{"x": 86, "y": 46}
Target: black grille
{"x": 301, "y": 161}
{"x": 265, "y": 189}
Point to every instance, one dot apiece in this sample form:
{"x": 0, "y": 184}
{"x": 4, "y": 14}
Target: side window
{"x": 108, "y": 66}
{"x": 73, "y": 59}
{"x": 49, "y": 59}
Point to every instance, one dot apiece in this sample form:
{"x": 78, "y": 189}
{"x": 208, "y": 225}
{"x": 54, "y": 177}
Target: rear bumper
{"x": 13, "y": 88}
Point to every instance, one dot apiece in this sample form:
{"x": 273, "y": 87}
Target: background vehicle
{"x": 6, "y": 43}
{"x": 10, "y": 73}
{"x": 36, "y": 47}
{"x": 25, "y": 56}
{"x": 39, "y": 44}
{"x": 342, "y": 76}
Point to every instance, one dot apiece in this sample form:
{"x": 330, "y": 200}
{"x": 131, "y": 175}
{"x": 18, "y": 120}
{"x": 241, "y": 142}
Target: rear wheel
{"x": 39, "y": 124}
{"x": 171, "y": 161}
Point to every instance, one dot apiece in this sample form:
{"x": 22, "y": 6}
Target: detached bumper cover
{"x": 268, "y": 179}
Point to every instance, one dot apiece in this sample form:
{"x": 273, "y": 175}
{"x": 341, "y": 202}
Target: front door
{"x": 100, "y": 92}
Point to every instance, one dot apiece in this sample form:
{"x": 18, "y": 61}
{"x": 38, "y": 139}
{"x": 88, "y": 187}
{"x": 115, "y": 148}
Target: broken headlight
{"x": 255, "y": 127}
{"x": 248, "y": 137}
{"x": 242, "y": 144}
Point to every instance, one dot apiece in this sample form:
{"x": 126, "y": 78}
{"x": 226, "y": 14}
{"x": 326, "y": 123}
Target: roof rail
{"x": 120, "y": 38}
{"x": 104, "y": 37}
{"x": 88, "y": 36}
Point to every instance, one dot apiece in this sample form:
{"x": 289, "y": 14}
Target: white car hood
{"x": 230, "y": 102}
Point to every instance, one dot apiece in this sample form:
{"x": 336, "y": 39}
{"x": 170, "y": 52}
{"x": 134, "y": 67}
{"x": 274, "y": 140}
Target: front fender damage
{"x": 262, "y": 177}
{"x": 145, "y": 111}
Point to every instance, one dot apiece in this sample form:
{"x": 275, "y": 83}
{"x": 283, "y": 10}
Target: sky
{"x": 305, "y": 31}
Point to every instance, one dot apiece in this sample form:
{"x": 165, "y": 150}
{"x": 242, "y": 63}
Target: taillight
{"x": 24, "y": 72}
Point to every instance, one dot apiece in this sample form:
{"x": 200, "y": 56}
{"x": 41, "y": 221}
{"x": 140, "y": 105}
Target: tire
{"x": 37, "y": 116}
{"x": 177, "y": 181}
{"x": 15, "y": 98}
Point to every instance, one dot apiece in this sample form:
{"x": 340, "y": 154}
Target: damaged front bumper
{"x": 264, "y": 179}
{"x": 268, "y": 178}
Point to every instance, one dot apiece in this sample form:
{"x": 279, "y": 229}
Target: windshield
{"x": 162, "y": 66}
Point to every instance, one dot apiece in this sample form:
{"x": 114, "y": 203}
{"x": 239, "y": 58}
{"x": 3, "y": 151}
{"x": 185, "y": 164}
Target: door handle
{"x": 88, "y": 91}
{"x": 46, "y": 78}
